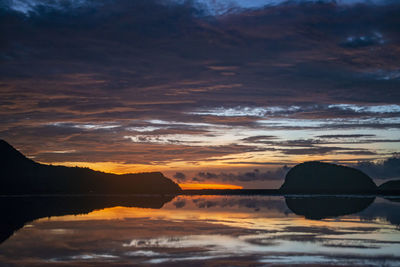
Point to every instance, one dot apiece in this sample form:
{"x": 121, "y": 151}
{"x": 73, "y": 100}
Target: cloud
{"x": 184, "y": 85}
{"x": 260, "y": 139}
{"x": 387, "y": 75}
{"x": 212, "y": 7}
{"x": 27, "y": 6}
{"x": 343, "y": 110}
{"x": 374, "y": 38}
{"x": 337, "y": 136}
{"x": 383, "y": 169}
{"x": 319, "y": 146}
{"x": 250, "y": 176}
{"x": 322, "y": 150}
{"x": 179, "y": 176}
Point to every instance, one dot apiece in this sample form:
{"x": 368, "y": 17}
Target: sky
{"x": 206, "y": 91}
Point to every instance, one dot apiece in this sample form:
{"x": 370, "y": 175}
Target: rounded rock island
{"x": 325, "y": 178}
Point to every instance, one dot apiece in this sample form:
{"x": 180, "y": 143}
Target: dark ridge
{"x": 21, "y": 175}
{"x": 317, "y": 208}
{"x": 325, "y": 178}
{"x": 12, "y": 158}
{"x": 17, "y": 211}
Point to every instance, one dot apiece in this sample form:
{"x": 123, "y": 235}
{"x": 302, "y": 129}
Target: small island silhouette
{"x": 390, "y": 187}
{"x": 325, "y": 178}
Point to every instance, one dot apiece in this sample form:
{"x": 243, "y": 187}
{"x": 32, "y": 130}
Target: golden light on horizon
{"x": 124, "y": 168}
{"x": 209, "y": 186}
{"x": 112, "y": 167}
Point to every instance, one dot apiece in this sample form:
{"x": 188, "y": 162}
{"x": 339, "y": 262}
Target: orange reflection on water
{"x": 242, "y": 218}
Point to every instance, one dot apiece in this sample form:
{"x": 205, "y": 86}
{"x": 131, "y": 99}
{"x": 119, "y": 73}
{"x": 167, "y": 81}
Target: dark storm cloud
{"x": 139, "y": 39}
{"x": 81, "y": 75}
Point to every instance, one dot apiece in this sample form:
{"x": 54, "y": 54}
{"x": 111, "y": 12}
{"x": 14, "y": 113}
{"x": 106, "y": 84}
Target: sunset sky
{"x": 206, "y": 91}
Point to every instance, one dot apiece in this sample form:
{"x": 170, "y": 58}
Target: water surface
{"x": 200, "y": 230}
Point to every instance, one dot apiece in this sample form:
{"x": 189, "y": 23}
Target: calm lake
{"x": 200, "y": 231}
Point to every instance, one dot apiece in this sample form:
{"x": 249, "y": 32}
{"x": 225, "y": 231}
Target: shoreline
{"x": 220, "y": 192}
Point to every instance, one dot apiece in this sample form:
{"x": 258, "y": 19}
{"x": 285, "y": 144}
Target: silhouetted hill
{"x": 12, "y": 158}
{"x": 17, "y": 211}
{"x": 325, "y": 178}
{"x": 20, "y": 175}
{"x": 390, "y": 187}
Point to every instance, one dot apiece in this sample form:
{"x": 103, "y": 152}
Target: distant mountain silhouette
{"x": 390, "y": 187}
{"x": 317, "y": 208}
{"x": 325, "y": 178}
{"x": 20, "y": 175}
{"x": 17, "y": 211}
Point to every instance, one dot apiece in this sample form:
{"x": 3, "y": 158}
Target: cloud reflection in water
{"x": 208, "y": 230}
